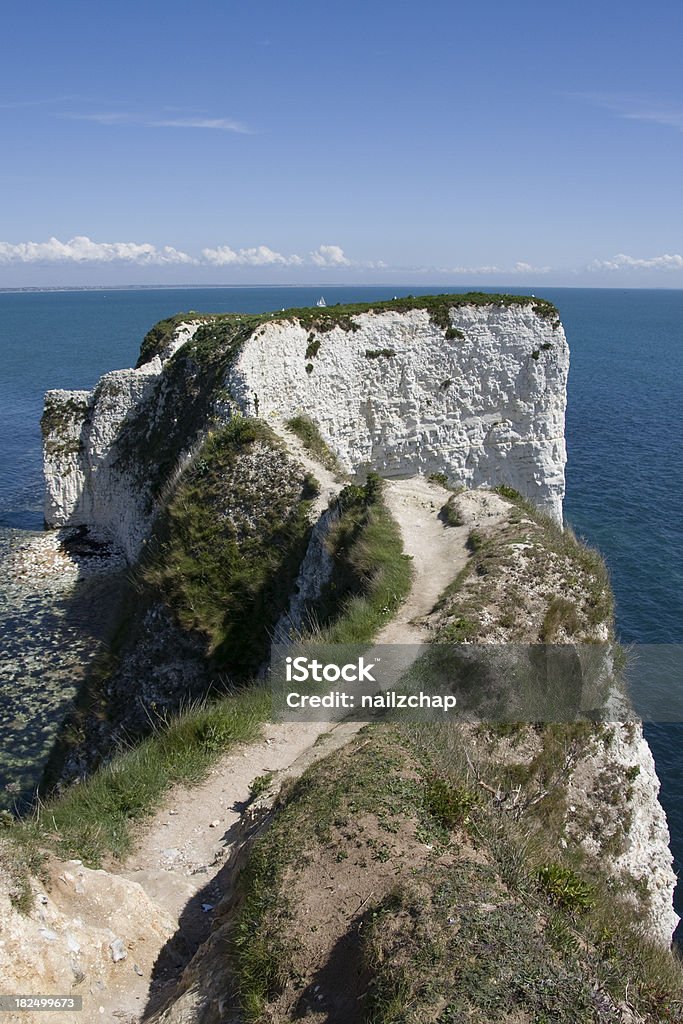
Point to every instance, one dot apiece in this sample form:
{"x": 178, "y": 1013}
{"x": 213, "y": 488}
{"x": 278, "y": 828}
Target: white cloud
{"x": 527, "y": 268}
{"x": 467, "y": 270}
{"x": 330, "y": 256}
{"x": 623, "y": 262}
{"x": 82, "y": 249}
{"x": 519, "y": 268}
{"x": 638, "y": 108}
{"x": 259, "y": 256}
{"x": 222, "y": 124}
{"x": 670, "y": 118}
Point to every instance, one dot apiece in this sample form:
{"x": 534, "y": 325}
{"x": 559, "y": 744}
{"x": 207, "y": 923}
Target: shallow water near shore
{"x": 624, "y": 475}
{"x": 55, "y": 612}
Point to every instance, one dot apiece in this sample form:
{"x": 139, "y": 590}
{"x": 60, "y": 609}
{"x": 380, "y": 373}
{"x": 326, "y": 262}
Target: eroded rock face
{"x": 399, "y": 397}
{"x": 614, "y": 812}
{"x": 394, "y": 395}
{"x": 89, "y": 480}
{"x": 90, "y": 933}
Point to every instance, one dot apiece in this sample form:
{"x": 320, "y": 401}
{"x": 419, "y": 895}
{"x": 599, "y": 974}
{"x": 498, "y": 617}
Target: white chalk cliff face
{"x": 398, "y": 397}
{"x": 87, "y": 482}
{"x": 395, "y": 395}
{"x": 483, "y": 403}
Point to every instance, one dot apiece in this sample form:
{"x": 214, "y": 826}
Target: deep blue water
{"x": 624, "y": 430}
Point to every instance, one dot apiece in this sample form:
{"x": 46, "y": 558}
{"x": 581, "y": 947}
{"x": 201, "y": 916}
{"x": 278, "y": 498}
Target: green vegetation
{"x": 449, "y": 805}
{"x": 158, "y": 337}
{"x": 562, "y": 615}
{"x": 260, "y": 784}
{"x": 450, "y": 513}
{"x": 437, "y": 306}
{"x": 183, "y": 400}
{"x": 380, "y": 353}
{"x": 98, "y": 817}
{"x": 322, "y": 320}
{"x": 219, "y": 559}
{"x": 194, "y": 377}
{"x": 461, "y": 915}
{"x": 309, "y": 435}
{"x": 60, "y": 413}
{"x": 231, "y": 541}
{"x": 313, "y": 346}
{"x": 565, "y": 887}
{"x": 371, "y": 576}
{"x": 508, "y": 575}
{"x": 58, "y": 416}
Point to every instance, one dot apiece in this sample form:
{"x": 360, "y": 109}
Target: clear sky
{"x": 435, "y": 142}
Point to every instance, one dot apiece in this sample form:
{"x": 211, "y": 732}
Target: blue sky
{"x": 234, "y": 143}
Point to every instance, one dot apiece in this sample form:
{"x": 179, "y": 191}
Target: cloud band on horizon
{"x": 83, "y": 250}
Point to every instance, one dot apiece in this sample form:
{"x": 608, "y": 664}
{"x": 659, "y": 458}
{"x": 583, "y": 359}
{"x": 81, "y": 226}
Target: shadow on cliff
{"x": 207, "y": 913}
{"x": 335, "y": 992}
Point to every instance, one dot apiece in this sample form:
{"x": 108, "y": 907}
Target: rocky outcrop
{"x": 482, "y": 401}
{"x": 479, "y": 398}
{"x": 88, "y": 934}
{"x": 614, "y": 813}
{"x": 88, "y": 482}
{"x": 395, "y": 395}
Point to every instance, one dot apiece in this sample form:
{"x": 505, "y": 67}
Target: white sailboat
{"x": 321, "y": 301}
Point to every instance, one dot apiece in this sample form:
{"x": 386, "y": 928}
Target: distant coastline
{"x": 391, "y": 285}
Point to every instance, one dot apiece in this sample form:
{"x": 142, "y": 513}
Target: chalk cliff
{"x": 477, "y": 392}
{"x": 470, "y": 388}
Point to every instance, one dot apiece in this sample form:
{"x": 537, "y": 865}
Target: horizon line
{"x": 454, "y": 289}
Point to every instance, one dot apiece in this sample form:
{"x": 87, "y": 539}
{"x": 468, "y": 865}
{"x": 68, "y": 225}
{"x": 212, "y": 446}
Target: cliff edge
{"x": 471, "y": 386}
{"x": 434, "y": 872}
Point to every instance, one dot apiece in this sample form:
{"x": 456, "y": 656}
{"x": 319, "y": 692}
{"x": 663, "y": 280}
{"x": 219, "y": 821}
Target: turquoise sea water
{"x": 624, "y": 431}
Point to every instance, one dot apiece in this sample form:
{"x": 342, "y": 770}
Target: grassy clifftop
{"x": 323, "y": 319}
{"x": 393, "y": 889}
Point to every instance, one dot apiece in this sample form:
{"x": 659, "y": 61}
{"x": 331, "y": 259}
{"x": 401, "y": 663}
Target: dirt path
{"x": 330, "y": 483}
{"x": 180, "y": 853}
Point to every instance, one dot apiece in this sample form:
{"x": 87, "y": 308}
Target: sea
{"x": 624, "y": 479}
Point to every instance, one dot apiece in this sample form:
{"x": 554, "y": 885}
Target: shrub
{"x": 565, "y": 888}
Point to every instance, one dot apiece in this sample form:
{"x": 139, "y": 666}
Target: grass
{"x": 372, "y": 576}
{"x": 231, "y": 543}
{"x": 183, "y": 400}
{"x": 312, "y": 440}
{"x": 97, "y": 818}
{"x": 562, "y": 615}
{"x": 576, "y": 907}
{"x": 513, "y": 572}
{"x": 565, "y": 887}
{"x": 322, "y": 320}
{"x": 158, "y": 337}
{"x": 328, "y": 800}
{"x": 482, "y": 923}
{"x": 450, "y": 513}
{"x": 215, "y": 575}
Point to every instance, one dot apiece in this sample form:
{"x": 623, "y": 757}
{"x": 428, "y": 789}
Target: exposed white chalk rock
{"x": 394, "y": 395}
